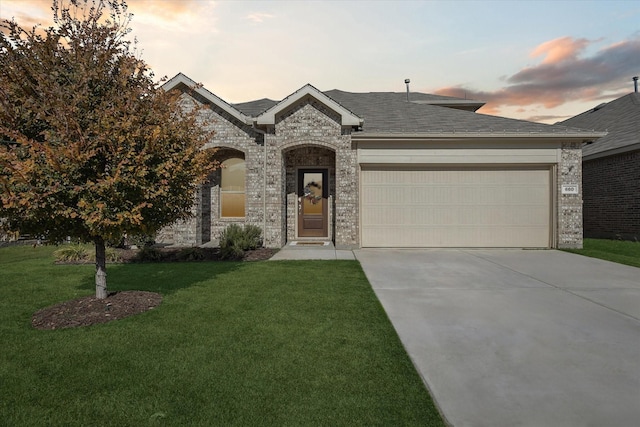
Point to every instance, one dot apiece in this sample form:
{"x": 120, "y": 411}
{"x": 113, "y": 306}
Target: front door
{"x": 313, "y": 206}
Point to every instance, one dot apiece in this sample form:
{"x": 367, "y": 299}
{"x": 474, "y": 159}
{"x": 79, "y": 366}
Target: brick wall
{"x": 569, "y": 222}
{"x": 612, "y": 197}
{"x": 232, "y": 139}
{"x": 309, "y": 134}
{"x": 306, "y": 135}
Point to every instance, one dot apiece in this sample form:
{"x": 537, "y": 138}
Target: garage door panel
{"x": 455, "y": 207}
{"x": 458, "y": 237}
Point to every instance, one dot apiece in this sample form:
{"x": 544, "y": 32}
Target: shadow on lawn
{"x": 164, "y": 278}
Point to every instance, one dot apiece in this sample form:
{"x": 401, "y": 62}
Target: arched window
{"x": 232, "y": 184}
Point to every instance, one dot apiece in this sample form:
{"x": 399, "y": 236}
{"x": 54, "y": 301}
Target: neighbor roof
{"x": 620, "y": 118}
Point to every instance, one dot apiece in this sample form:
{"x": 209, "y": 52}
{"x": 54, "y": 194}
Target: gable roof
{"x": 180, "y": 81}
{"x": 620, "y": 118}
{"x": 380, "y": 115}
{"x": 268, "y": 116}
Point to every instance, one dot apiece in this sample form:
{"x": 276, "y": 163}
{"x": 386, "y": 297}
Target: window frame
{"x": 222, "y": 191}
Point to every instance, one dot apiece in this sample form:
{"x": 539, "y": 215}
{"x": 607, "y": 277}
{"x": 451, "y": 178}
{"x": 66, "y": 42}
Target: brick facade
{"x": 612, "y": 197}
{"x": 308, "y": 134}
{"x": 569, "y": 171}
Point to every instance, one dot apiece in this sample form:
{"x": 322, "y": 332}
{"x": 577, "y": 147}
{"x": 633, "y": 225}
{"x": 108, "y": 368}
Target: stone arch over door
{"x": 210, "y": 221}
{"x": 309, "y": 155}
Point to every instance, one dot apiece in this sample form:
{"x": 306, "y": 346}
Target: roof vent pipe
{"x": 407, "y": 81}
{"x": 635, "y": 84}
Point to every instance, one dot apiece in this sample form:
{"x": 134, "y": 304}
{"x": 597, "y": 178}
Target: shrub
{"x": 235, "y": 240}
{"x": 253, "y": 236}
{"x": 191, "y": 254}
{"x": 72, "y": 253}
{"x": 82, "y": 253}
{"x": 149, "y": 254}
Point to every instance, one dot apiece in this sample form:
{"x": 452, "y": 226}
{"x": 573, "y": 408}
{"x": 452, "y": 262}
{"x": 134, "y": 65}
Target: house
{"x": 611, "y": 169}
{"x": 384, "y": 169}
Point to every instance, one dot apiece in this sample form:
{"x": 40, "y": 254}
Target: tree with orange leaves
{"x": 92, "y": 147}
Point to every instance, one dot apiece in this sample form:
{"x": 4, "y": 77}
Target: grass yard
{"x": 264, "y": 343}
{"x": 620, "y": 251}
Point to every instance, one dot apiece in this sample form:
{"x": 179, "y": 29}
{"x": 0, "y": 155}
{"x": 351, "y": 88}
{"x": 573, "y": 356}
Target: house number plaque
{"x": 570, "y": 189}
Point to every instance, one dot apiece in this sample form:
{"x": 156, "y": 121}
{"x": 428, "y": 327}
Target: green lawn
{"x": 623, "y": 252}
{"x": 265, "y": 343}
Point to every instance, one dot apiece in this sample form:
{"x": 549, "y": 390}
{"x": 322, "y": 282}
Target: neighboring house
{"x": 611, "y": 169}
{"x": 376, "y": 170}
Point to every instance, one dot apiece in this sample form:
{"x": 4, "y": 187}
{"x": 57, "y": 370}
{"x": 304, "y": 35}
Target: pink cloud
{"x": 164, "y": 10}
{"x": 560, "y": 49}
{"x": 565, "y": 74}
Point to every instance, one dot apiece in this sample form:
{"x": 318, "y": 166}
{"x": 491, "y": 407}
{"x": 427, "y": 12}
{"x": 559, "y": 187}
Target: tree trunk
{"x": 101, "y": 268}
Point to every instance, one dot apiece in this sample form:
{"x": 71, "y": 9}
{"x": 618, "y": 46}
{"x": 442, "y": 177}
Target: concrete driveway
{"x": 516, "y": 337}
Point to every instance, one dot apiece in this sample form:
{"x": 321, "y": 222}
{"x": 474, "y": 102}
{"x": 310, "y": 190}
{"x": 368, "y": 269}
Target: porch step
{"x": 310, "y": 243}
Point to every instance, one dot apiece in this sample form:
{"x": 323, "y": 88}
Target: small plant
{"x": 191, "y": 254}
{"x": 76, "y": 252}
{"x": 253, "y": 236}
{"x": 72, "y": 253}
{"x": 235, "y": 240}
{"x": 149, "y": 254}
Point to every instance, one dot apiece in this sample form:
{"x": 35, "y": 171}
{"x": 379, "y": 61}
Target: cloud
{"x": 165, "y": 10}
{"x": 152, "y": 10}
{"x": 558, "y": 50}
{"x": 36, "y": 13}
{"x": 565, "y": 74}
{"x": 548, "y": 118}
{"x": 258, "y": 17}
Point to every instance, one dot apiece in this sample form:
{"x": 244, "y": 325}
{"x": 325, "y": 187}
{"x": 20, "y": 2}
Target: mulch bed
{"x": 89, "y": 310}
{"x": 127, "y": 256}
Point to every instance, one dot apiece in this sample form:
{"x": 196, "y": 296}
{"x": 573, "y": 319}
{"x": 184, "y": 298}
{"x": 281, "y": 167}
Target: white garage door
{"x": 455, "y": 207}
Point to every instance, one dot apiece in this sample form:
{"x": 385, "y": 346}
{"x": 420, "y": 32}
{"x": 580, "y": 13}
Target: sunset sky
{"x": 534, "y": 60}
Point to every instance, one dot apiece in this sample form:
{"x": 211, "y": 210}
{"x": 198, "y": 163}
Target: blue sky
{"x": 533, "y": 60}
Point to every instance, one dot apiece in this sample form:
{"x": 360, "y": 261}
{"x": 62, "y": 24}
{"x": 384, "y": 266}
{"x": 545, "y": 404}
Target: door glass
{"x": 312, "y": 193}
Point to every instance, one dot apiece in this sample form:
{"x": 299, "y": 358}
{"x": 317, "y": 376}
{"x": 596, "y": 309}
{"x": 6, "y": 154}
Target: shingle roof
{"x": 620, "y": 118}
{"x": 255, "y": 108}
{"x": 347, "y": 117}
{"x": 390, "y": 113}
